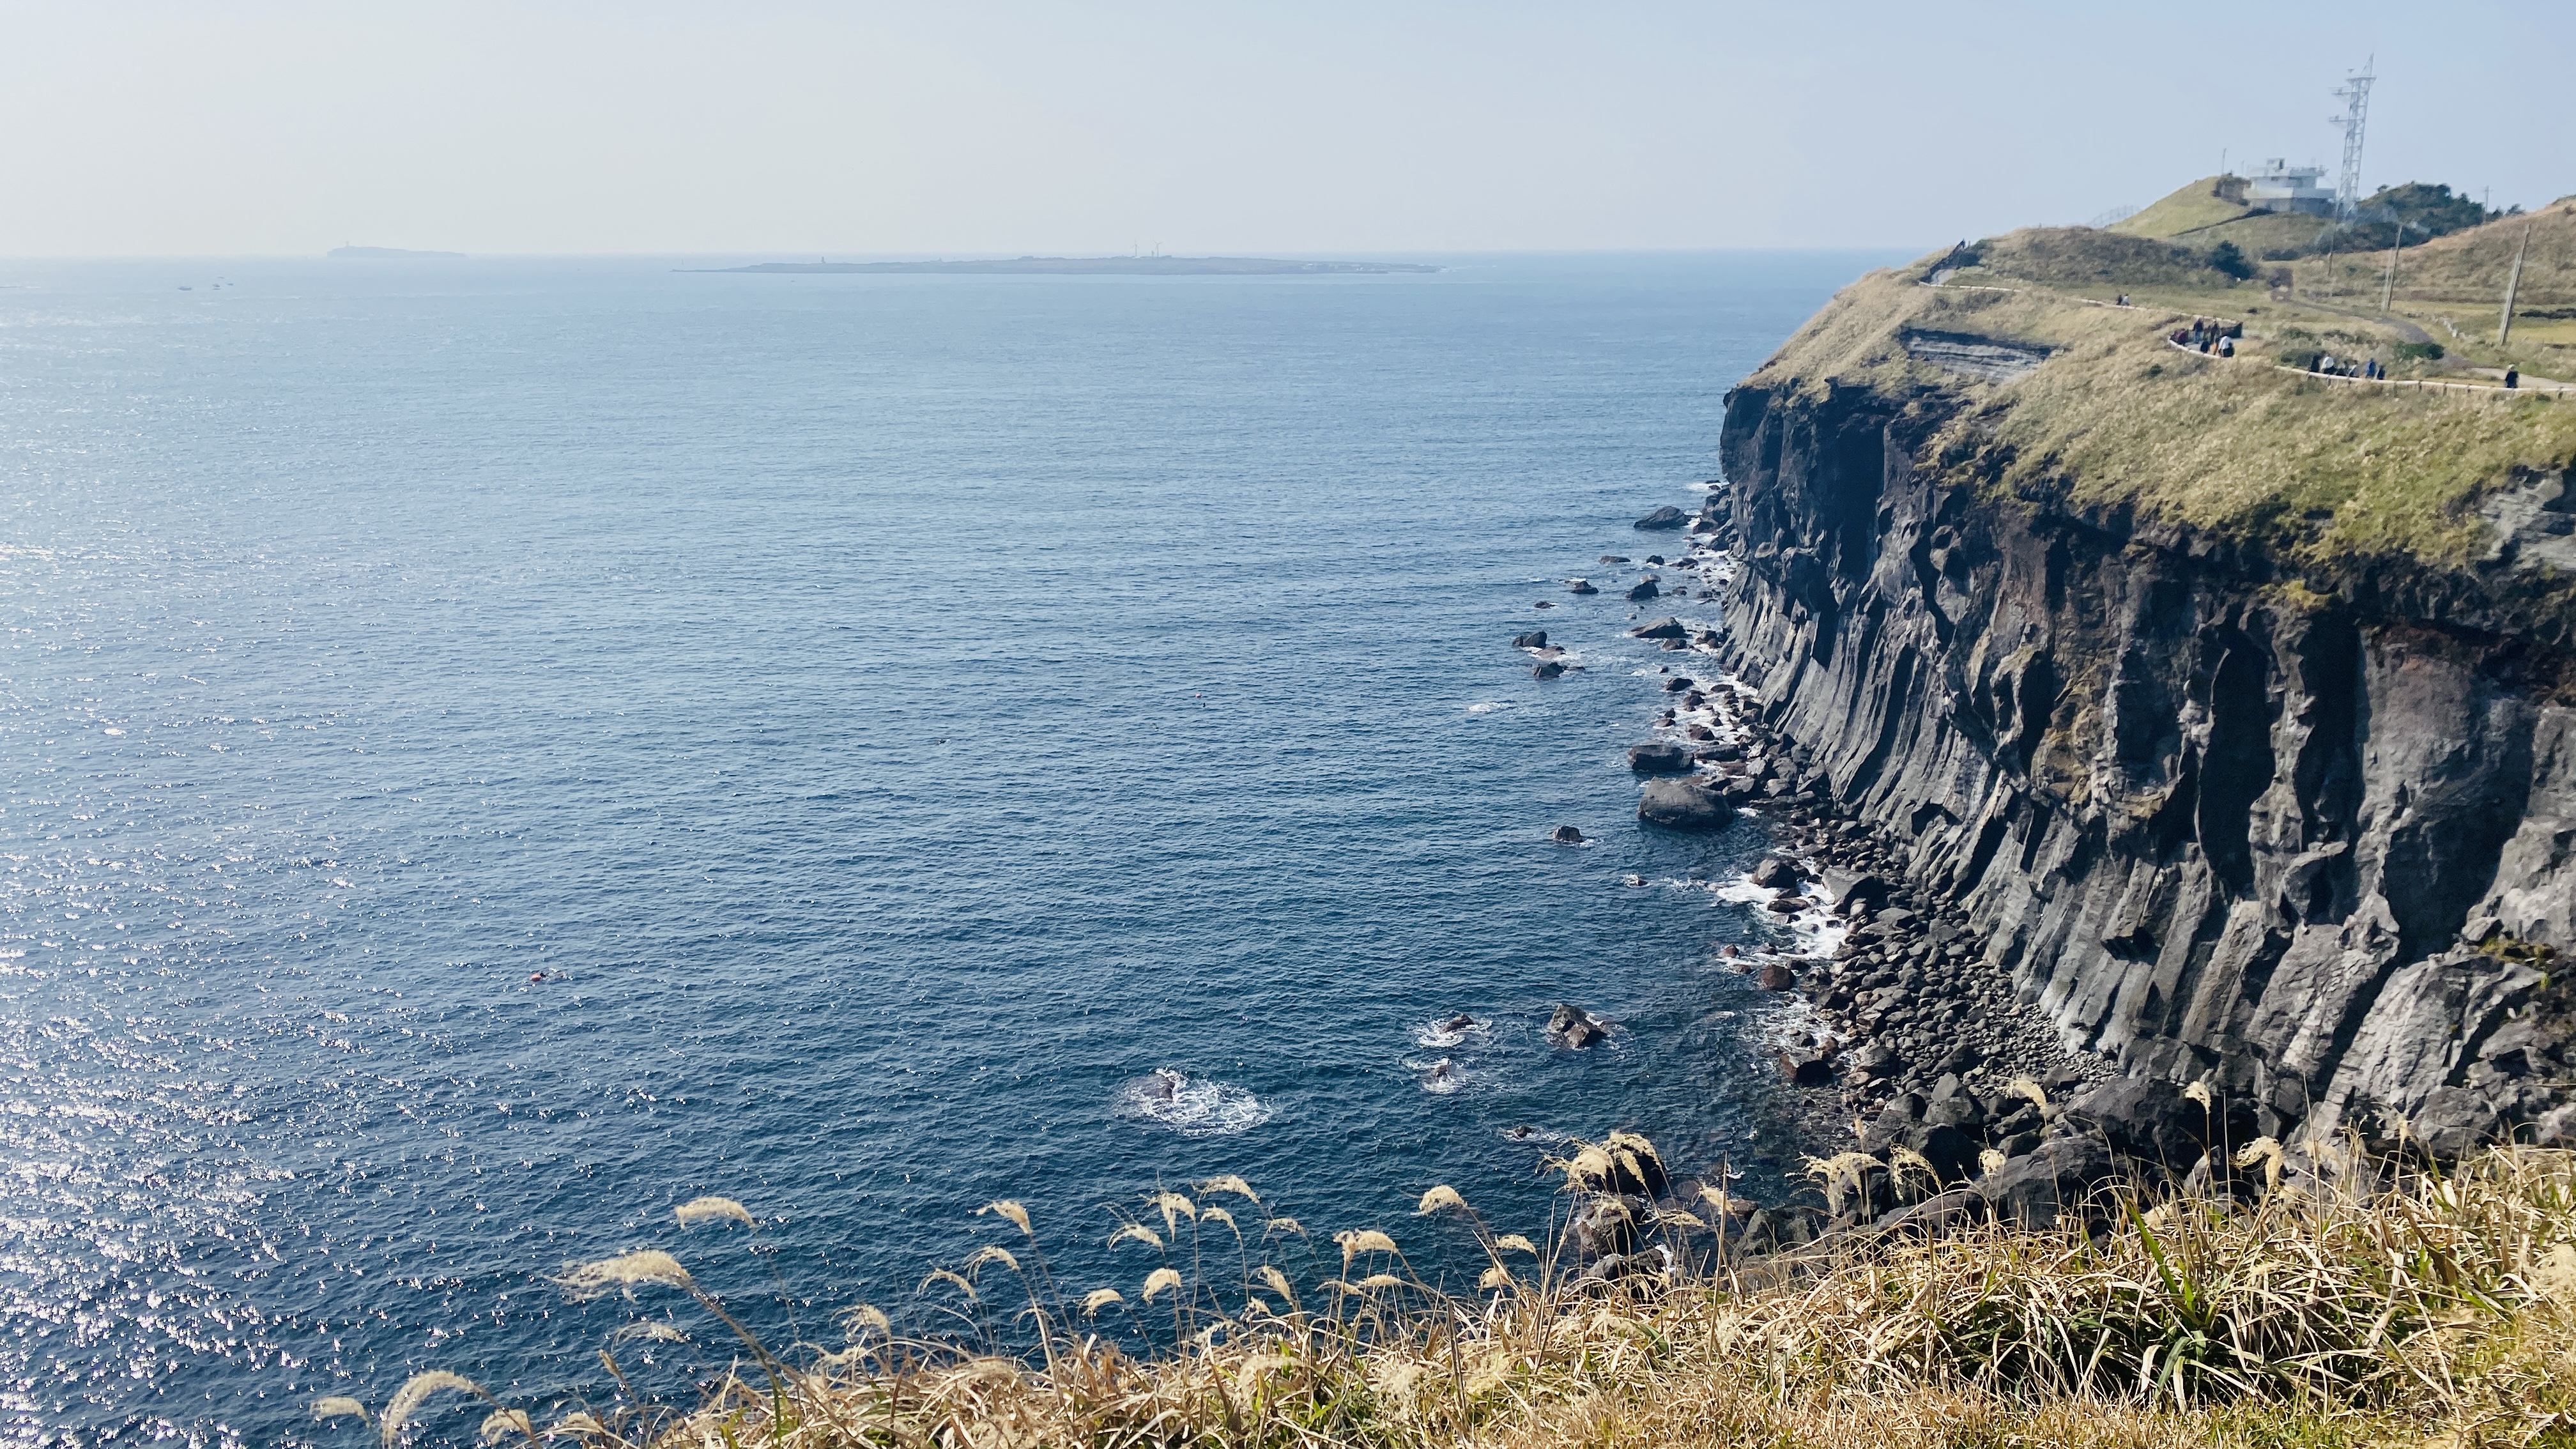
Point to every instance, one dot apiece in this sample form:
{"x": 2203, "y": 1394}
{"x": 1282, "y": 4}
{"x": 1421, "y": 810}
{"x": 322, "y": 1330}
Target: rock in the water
{"x": 1546, "y": 669}
{"x": 1683, "y": 804}
{"x": 1572, "y": 1026}
{"x": 1658, "y": 758}
{"x": 1664, "y": 517}
{"x": 1566, "y": 835}
{"x": 1535, "y": 639}
{"x": 1776, "y": 977}
{"x": 1808, "y": 1066}
{"x": 1667, "y": 627}
{"x": 1580, "y": 586}
{"x": 1677, "y": 684}
{"x": 1644, "y": 590}
{"x": 1775, "y": 874}
{"x": 1614, "y": 558}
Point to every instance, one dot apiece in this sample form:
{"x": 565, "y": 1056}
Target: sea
{"x": 497, "y": 749}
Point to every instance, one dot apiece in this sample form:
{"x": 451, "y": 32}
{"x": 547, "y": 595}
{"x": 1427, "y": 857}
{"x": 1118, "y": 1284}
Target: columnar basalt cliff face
{"x": 2315, "y": 849}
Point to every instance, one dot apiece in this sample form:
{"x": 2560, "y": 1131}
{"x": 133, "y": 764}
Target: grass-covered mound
{"x": 2422, "y": 1306}
{"x": 2316, "y": 472}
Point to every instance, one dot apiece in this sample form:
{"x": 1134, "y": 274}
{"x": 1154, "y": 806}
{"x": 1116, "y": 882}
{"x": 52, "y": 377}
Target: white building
{"x": 2280, "y": 186}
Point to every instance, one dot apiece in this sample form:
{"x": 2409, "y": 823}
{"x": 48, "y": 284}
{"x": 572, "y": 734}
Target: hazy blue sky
{"x": 953, "y": 126}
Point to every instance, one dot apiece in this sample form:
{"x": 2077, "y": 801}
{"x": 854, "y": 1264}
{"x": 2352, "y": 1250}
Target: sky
{"x": 967, "y": 127}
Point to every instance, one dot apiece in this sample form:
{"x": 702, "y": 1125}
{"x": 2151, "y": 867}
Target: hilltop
{"x": 2090, "y": 398}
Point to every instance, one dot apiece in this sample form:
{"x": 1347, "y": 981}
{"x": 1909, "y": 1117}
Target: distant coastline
{"x": 382, "y": 254}
{"x": 1149, "y": 266}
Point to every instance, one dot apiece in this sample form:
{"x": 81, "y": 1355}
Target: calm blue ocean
{"x": 899, "y": 716}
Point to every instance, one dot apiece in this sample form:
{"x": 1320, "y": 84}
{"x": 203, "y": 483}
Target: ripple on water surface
{"x": 927, "y": 739}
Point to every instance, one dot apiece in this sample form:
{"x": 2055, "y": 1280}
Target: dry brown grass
{"x": 2318, "y": 473}
{"x": 2430, "y": 1307}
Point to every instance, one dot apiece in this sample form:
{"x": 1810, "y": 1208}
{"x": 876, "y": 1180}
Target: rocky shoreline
{"x": 1965, "y": 1098}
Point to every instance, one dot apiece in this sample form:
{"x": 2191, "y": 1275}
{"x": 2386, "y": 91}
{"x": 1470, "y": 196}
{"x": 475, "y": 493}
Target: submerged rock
{"x": 1546, "y": 669}
{"x": 1667, "y": 627}
{"x": 1535, "y": 639}
{"x": 1580, "y": 586}
{"x": 1566, "y": 835}
{"x": 1662, "y": 518}
{"x": 1645, "y": 589}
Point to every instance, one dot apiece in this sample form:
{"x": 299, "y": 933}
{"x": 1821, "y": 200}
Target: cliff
{"x": 2231, "y": 708}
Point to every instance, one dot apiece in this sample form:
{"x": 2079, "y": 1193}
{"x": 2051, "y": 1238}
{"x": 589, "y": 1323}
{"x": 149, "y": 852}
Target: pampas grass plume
{"x": 1160, "y": 1279}
{"x": 1443, "y": 1196}
{"x": 502, "y": 1422}
{"x": 627, "y": 1270}
{"x": 415, "y": 1392}
{"x": 1140, "y": 1233}
{"x": 1099, "y": 1298}
{"x": 707, "y": 1209}
{"x": 1364, "y": 1240}
{"x": 1007, "y": 1208}
{"x": 1228, "y": 1182}
{"x": 338, "y": 1406}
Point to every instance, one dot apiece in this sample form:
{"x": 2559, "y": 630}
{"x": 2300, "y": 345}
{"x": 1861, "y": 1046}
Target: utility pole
{"x": 2513, "y": 284}
{"x": 2388, "y": 288}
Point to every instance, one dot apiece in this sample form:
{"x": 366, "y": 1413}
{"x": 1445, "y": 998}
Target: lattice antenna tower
{"x": 2355, "y": 95}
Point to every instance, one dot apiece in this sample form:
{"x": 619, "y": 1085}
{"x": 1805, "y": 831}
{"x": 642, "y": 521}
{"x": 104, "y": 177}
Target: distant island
{"x": 1152, "y": 266}
{"x": 381, "y": 254}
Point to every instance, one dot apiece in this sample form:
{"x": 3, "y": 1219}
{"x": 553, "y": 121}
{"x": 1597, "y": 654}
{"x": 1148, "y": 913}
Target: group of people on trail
{"x": 2368, "y": 368}
{"x": 2205, "y": 335}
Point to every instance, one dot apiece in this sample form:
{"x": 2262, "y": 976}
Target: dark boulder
{"x": 2034, "y": 1190}
{"x": 1775, "y": 874}
{"x": 2151, "y": 1120}
{"x": 1663, "y": 518}
{"x": 1677, "y": 684}
{"x": 1658, "y": 758}
{"x": 1776, "y": 977}
{"x": 1580, "y": 586}
{"x": 1572, "y": 1026}
{"x": 1535, "y": 639}
{"x": 1546, "y": 669}
{"x": 1808, "y": 1066}
{"x": 1868, "y": 891}
{"x": 1614, "y": 558}
{"x": 1606, "y": 1228}
{"x": 1566, "y": 835}
{"x": 1683, "y": 804}
{"x": 1667, "y": 627}
{"x": 1621, "y": 1165}
{"x": 1644, "y": 590}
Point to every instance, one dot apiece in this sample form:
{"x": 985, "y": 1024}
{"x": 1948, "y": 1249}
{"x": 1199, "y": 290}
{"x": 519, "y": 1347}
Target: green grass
{"x": 2186, "y": 209}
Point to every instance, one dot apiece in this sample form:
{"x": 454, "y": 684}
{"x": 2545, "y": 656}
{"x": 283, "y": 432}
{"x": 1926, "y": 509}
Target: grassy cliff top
{"x": 2095, "y": 405}
{"x": 2188, "y": 209}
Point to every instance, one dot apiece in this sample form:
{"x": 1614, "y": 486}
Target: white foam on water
{"x": 1192, "y": 1106}
{"x": 1439, "y": 1035}
{"x": 1440, "y": 1078}
{"x": 1487, "y": 706}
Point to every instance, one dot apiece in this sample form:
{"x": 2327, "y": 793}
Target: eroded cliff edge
{"x": 2230, "y": 800}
